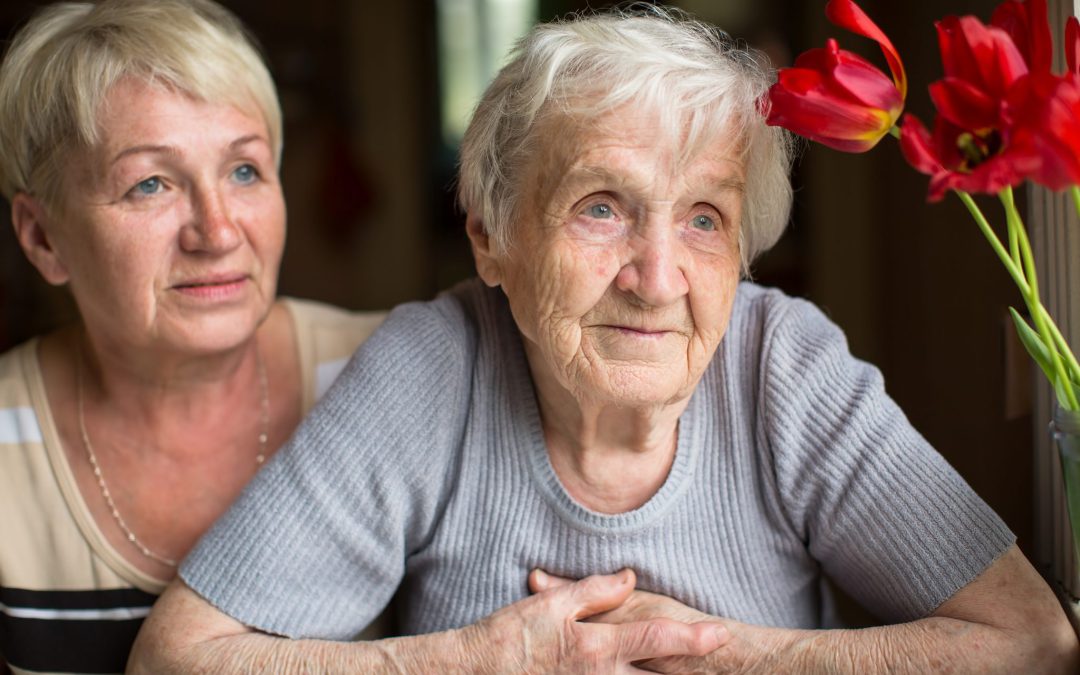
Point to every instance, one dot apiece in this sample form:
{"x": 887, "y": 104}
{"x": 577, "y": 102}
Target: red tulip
{"x": 1046, "y": 112}
{"x": 981, "y": 63}
{"x": 1029, "y": 27}
{"x": 958, "y": 159}
{"x": 837, "y": 98}
{"x": 972, "y": 147}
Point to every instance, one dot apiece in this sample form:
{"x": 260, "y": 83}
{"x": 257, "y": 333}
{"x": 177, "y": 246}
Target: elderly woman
{"x": 140, "y": 146}
{"x": 609, "y": 398}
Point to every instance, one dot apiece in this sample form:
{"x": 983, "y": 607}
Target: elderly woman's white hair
{"x": 695, "y": 77}
{"x": 60, "y": 68}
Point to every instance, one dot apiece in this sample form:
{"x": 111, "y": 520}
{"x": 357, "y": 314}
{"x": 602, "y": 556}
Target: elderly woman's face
{"x": 171, "y": 230}
{"x": 626, "y": 260}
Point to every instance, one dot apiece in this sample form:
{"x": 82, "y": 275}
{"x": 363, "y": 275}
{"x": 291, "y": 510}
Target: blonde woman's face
{"x": 172, "y": 229}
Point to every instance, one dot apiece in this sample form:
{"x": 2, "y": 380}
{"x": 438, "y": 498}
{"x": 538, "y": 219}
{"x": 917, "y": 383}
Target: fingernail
{"x": 540, "y": 578}
{"x": 722, "y": 634}
{"x": 624, "y": 577}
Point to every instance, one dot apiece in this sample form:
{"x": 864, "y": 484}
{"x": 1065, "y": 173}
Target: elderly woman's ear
{"x": 487, "y": 264}
{"x": 30, "y": 218}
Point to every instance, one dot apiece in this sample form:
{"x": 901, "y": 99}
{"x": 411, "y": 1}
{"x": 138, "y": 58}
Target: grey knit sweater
{"x": 424, "y": 467}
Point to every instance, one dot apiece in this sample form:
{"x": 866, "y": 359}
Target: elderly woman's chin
{"x": 606, "y": 377}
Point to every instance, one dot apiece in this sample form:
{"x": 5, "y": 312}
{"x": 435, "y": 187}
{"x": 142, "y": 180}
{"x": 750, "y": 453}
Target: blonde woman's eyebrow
{"x": 141, "y": 149}
{"x": 175, "y": 152}
{"x": 250, "y": 138}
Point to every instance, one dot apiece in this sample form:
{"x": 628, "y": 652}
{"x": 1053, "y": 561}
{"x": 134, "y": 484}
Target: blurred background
{"x": 376, "y": 96}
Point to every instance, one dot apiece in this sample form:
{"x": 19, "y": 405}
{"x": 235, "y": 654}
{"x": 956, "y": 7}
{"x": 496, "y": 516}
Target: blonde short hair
{"x": 62, "y": 64}
{"x": 699, "y": 80}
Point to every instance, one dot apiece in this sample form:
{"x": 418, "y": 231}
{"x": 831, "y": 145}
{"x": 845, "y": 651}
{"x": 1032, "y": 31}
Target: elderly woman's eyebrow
{"x": 600, "y": 174}
{"x": 730, "y": 183}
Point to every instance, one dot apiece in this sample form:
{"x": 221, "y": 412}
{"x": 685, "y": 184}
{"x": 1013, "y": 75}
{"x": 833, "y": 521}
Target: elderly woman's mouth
{"x": 643, "y": 332}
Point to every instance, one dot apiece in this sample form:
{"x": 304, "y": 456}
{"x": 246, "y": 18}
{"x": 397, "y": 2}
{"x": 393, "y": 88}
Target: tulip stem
{"x": 1075, "y": 191}
{"x": 1012, "y": 218}
{"x": 1061, "y": 344}
{"x": 894, "y": 131}
{"x": 1039, "y": 316}
{"x": 1013, "y": 269}
{"x": 1018, "y": 241}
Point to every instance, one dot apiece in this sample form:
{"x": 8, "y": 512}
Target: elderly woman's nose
{"x": 212, "y": 228}
{"x": 655, "y": 273}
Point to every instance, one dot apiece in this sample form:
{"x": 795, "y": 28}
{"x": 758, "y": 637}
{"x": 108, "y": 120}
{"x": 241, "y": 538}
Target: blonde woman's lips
{"x": 213, "y": 287}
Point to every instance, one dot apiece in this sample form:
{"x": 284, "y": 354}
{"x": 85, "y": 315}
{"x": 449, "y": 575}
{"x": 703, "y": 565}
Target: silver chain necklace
{"x": 264, "y": 436}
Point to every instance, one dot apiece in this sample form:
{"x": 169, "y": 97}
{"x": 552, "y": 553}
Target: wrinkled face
{"x": 171, "y": 230}
{"x": 625, "y": 260}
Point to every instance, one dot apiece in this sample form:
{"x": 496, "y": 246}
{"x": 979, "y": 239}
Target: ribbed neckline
{"x": 528, "y": 438}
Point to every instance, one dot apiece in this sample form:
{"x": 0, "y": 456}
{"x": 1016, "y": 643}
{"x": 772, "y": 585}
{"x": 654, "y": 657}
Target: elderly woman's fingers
{"x": 540, "y": 581}
{"x": 642, "y": 606}
{"x": 660, "y": 639}
{"x": 595, "y": 594}
{"x": 552, "y": 625}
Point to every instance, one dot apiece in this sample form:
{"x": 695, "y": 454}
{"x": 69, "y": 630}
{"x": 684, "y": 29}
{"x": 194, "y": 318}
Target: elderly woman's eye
{"x": 599, "y": 211}
{"x": 245, "y": 173}
{"x": 149, "y": 186}
{"x": 703, "y": 222}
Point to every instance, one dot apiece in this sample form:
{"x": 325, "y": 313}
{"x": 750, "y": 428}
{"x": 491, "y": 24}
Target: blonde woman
{"x": 139, "y": 148}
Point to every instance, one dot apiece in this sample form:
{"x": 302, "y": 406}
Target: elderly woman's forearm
{"x": 932, "y": 645}
{"x": 186, "y": 634}
{"x": 260, "y": 653}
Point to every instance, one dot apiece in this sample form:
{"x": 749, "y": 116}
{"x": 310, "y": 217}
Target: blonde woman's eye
{"x": 600, "y": 211}
{"x": 245, "y": 173}
{"x": 149, "y": 186}
{"x": 703, "y": 222}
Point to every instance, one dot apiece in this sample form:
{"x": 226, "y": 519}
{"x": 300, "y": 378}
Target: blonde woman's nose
{"x": 211, "y": 228}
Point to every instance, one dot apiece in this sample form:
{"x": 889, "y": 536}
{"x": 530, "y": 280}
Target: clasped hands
{"x": 600, "y": 624}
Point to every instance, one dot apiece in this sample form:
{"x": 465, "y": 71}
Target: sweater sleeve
{"x": 316, "y": 545}
{"x": 886, "y": 516}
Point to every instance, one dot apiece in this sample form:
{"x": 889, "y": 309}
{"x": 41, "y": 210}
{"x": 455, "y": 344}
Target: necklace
{"x": 264, "y": 436}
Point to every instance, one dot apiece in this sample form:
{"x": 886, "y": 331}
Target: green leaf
{"x": 1034, "y": 346}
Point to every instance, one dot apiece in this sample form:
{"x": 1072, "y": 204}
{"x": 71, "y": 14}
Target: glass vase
{"x": 1065, "y": 432}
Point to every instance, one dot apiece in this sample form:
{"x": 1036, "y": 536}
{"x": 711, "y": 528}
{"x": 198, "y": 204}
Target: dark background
{"x": 372, "y": 223}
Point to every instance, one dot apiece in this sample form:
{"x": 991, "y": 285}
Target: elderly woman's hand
{"x": 548, "y": 632}
{"x": 737, "y": 656}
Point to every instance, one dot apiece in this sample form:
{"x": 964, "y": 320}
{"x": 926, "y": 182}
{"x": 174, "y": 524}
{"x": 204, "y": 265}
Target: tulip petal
{"x": 1072, "y": 44}
{"x": 964, "y": 105}
{"x": 813, "y": 113}
{"x": 980, "y": 54}
{"x": 868, "y": 85}
{"x": 847, "y": 75}
{"x": 1028, "y": 26}
{"x": 916, "y": 146}
{"x": 846, "y": 14}
{"x": 1045, "y": 134}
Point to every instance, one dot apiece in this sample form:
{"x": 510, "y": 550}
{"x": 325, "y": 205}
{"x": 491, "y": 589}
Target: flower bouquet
{"x": 1003, "y": 118}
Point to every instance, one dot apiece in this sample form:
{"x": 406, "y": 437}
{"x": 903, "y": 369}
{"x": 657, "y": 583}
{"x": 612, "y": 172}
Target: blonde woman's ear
{"x": 31, "y": 219}
{"x": 487, "y": 262}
